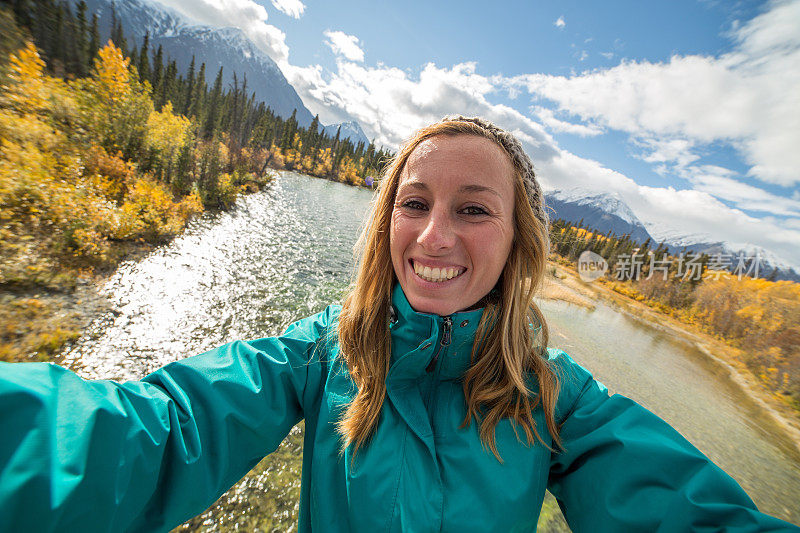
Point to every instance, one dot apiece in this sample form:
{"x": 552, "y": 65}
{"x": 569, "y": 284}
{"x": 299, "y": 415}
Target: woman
{"x": 430, "y": 400}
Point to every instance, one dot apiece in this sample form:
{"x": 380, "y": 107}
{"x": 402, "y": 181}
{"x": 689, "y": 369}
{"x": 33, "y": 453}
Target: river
{"x": 286, "y": 252}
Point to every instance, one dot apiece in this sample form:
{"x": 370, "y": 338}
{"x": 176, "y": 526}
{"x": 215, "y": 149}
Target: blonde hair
{"x": 512, "y": 336}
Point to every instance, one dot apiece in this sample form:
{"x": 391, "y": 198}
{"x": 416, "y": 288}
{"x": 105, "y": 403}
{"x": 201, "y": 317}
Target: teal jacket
{"x": 147, "y": 455}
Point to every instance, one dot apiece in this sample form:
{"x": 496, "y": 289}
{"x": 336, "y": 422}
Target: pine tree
{"x": 12, "y": 37}
{"x": 94, "y": 40}
{"x": 313, "y": 138}
{"x": 57, "y": 53}
{"x": 230, "y": 122}
{"x": 117, "y": 34}
{"x": 144, "y": 59}
{"x": 158, "y": 68}
{"x": 22, "y": 13}
{"x": 214, "y": 107}
{"x": 189, "y": 92}
{"x": 166, "y": 88}
{"x": 198, "y": 94}
{"x": 82, "y": 42}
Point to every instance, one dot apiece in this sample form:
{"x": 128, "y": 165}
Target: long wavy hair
{"x": 512, "y": 335}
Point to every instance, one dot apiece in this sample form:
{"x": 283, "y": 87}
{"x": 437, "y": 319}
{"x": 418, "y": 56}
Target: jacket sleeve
{"x": 624, "y": 469}
{"x": 147, "y": 455}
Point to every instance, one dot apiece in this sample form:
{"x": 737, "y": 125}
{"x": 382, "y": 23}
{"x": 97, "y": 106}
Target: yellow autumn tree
{"x": 166, "y": 135}
{"x": 348, "y": 171}
{"x": 26, "y": 91}
{"x": 324, "y": 165}
{"x": 116, "y": 106}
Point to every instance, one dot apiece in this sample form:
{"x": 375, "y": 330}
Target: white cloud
{"x": 749, "y": 97}
{"x": 676, "y": 152}
{"x": 247, "y": 15}
{"x": 721, "y": 183}
{"x": 293, "y": 8}
{"x": 692, "y": 210}
{"x": 560, "y": 22}
{"x": 390, "y": 104}
{"x": 344, "y": 45}
{"x": 607, "y": 55}
{"x": 548, "y": 118}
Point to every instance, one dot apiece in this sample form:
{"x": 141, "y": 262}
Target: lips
{"x": 437, "y": 274}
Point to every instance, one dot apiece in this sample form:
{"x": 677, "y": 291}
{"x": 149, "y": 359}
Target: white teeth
{"x": 435, "y": 274}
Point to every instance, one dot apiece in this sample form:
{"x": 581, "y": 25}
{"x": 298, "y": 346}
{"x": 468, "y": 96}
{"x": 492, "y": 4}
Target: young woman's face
{"x": 452, "y": 222}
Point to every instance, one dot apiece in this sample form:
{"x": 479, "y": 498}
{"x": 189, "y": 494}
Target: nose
{"x": 438, "y": 232}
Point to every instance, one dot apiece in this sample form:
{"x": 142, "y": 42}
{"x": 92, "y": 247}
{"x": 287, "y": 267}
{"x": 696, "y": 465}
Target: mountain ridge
{"x": 349, "y": 129}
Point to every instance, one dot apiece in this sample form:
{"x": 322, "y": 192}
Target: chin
{"x": 433, "y": 306}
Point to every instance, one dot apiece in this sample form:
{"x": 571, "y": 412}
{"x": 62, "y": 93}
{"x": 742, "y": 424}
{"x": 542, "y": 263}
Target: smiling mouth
{"x": 436, "y": 275}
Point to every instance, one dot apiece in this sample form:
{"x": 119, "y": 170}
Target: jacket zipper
{"x": 448, "y": 326}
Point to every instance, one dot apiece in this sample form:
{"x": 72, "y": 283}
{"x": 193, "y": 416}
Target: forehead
{"x": 462, "y": 158}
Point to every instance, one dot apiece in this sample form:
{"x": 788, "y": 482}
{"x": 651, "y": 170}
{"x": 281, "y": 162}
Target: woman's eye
{"x": 413, "y": 204}
{"x": 474, "y": 210}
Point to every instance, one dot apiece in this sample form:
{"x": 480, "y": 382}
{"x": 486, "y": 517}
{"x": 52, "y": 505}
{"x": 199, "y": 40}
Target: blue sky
{"x": 689, "y": 110}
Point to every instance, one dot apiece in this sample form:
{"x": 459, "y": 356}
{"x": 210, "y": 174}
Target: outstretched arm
{"x": 625, "y": 469}
{"x": 147, "y": 455}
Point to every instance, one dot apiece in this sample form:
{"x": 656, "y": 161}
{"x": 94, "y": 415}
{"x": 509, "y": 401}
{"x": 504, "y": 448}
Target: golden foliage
{"x": 150, "y": 213}
{"x": 116, "y": 107}
{"x": 64, "y": 198}
{"x": 166, "y": 134}
{"x": 26, "y": 92}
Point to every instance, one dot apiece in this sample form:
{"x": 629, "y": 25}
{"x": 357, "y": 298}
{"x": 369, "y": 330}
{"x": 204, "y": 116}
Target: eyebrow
{"x": 416, "y": 184}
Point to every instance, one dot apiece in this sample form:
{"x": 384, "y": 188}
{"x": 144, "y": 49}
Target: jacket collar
{"x": 417, "y": 336}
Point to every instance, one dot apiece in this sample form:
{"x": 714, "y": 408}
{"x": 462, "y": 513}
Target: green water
{"x": 286, "y": 253}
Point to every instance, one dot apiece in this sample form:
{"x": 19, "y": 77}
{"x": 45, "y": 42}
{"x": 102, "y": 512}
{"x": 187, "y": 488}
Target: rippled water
{"x": 286, "y": 253}
{"x": 280, "y": 255}
{"x": 693, "y": 394}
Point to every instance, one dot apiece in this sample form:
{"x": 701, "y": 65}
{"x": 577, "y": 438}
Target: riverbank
{"x": 37, "y": 323}
{"x": 563, "y": 283}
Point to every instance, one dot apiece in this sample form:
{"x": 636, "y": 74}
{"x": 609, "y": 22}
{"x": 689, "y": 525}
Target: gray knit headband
{"x": 519, "y": 159}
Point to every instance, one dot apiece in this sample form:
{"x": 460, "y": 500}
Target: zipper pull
{"x": 448, "y": 326}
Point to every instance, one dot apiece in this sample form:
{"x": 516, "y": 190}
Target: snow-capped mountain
{"x": 601, "y": 211}
{"x": 349, "y": 130}
{"x": 677, "y": 238}
{"x": 704, "y": 243}
{"x": 181, "y": 38}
